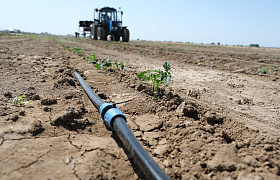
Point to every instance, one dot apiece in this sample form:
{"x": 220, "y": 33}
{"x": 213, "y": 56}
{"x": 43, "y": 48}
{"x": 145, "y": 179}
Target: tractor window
{"x": 109, "y": 14}
{"x": 105, "y": 16}
{"x": 119, "y": 16}
{"x": 112, "y": 15}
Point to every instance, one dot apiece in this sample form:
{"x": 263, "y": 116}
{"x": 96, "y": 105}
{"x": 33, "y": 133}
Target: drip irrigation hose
{"x": 116, "y": 120}
{"x": 96, "y": 101}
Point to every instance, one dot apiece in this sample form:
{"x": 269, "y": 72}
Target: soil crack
{"x": 75, "y": 173}
{"x": 1, "y": 141}
{"x": 30, "y": 164}
{"x": 71, "y": 143}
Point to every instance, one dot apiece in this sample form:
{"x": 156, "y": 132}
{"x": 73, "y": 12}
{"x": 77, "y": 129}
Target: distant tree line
{"x": 254, "y": 45}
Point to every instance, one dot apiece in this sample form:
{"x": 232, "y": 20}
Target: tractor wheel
{"x": 93, "y": 32}
{"x": 125, "y": 37}
{"x": 115, "y": 37}
{"x": 101, "y": 35}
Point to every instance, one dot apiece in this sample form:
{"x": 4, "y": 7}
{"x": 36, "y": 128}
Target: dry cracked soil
{"x": 218, "y": 118}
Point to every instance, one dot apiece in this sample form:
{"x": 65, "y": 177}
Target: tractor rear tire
{"x": 101, "y": 34}
{"x": 125, "y": 37}
{"x": 93, "y": 32}
{"x": 115, "y": 37}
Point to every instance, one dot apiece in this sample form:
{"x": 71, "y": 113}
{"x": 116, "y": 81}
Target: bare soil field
{"x": 218, "y": 118}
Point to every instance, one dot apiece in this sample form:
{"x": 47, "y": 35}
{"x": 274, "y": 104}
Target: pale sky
{"x": 229, "y": 22}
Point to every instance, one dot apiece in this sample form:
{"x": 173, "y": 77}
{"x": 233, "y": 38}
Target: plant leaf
{"x": 93, "y": 55}
{"x": 108, "y": 64}
{"x": 166, "y": 79}
{"x": 147, "y": 78}
{"x": 15, "y": 101}
{"x": 155, "y": 96}
{"x": 105, "y": 60}
{"x": 97, "y": 66}
{"x": 141, "y": 75}
{"x": 166, "y": 66}
{"x": 122, "y": 66}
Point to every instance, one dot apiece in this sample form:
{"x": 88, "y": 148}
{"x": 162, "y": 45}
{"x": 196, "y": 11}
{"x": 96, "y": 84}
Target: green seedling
{"x": 274, "y": 69}
{"x": 157, "y": 77}
{"x": 91, "y": 59}
{"x": 77, "y": 50}
{"x": 122, "y": 66}
{"x": 67, "y": 47}
{"x": 116, "y": 64}
{"x": 265, "y": 69}
{"x": 99, "y": 66}
{"x": 19, "y": 100}
{"x": 141, "y": 51}
{"x": 108, "y": 64}
{"x": 254, "y": 56}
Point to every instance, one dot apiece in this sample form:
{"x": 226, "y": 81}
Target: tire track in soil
{"x": 189, "y": 137}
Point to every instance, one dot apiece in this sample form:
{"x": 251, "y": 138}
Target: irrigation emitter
{"x": 116, "y": 121}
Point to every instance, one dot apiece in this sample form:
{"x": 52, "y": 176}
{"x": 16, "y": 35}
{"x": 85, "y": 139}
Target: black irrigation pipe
{"x": 116, "y": 120}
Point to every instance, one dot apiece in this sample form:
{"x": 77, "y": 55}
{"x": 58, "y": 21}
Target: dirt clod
{"x": 102, "y": 95}
{"x": 22, "y": 113}
{"x": 212, "y": 117}
{"x": 36, "y": 97}
{"x": 225, "y": 160}
{"x": 71, "y": 119}
{"x": 48, "y": 101}
{"x": 36, "y": 128}
{"x": 47, "y": 109}
{"x": 8, "y": 94}
{"x": 14, "y": 118}
{"x": 141, "y": 87}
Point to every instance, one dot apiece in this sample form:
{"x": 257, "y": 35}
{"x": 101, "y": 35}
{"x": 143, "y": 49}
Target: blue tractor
{"x": 107, "y": 21}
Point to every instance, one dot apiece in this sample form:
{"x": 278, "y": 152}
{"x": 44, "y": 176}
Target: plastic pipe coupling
{"x": 109, "y": 112}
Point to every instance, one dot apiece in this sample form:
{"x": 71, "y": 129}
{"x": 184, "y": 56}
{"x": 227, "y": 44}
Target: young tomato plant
{"x": 108, "y": 64}
{"x": 19, "y": 100}
{"x": 77, "y": 50}
{"x": 98, "y": 65}
{"x": 91, "y": 59}
{"x": 157, "y": 77}
{"x": 265, "y": 69}
{"x": 122, "y": 66}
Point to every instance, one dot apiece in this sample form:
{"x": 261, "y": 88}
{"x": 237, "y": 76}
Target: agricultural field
{"x": 217, "y": 118}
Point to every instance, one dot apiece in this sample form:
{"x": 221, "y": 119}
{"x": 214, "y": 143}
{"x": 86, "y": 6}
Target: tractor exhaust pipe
{"x": 116, "y": 120}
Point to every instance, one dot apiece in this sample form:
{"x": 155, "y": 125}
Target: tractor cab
{"x": 106, "y": 14}
{"x": 108, "y": 21}
{"x": 109, "y": 17}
